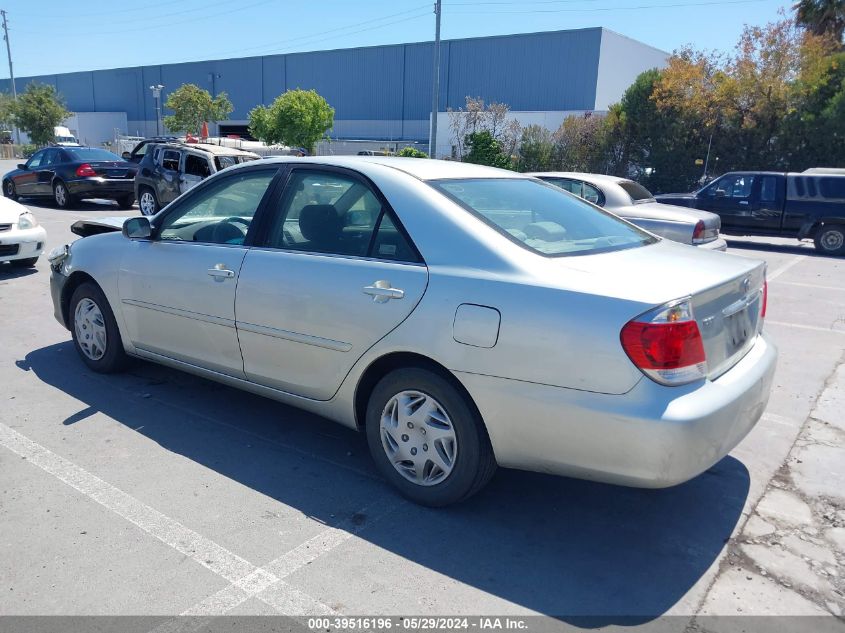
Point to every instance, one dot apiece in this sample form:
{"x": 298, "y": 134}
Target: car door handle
{"x": 381, "y": 292}
{"x": 220, "y": 272}
{"x": 743, "y": 201}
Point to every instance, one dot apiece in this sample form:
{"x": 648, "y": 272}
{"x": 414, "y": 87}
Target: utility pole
{"x": 11, "y": 72}
{"x": 157, "y": 96}
{"x": 435, "y": 98}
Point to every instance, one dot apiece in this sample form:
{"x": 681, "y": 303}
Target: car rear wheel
{"x": 94, "y": 330}
{"x": 61, "y": 195}
{"x": 830, "y": 239}
{"x": 24, "y": 263}
{"x": 427, "y": 439}
{"x": 126, "y": 202}
{"x": 9, "y": 190}
{"x": 147, "y": 202}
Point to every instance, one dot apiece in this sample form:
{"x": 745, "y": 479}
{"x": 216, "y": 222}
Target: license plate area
{"x": 740, "y": 325}
{"x": 116, "y": 173}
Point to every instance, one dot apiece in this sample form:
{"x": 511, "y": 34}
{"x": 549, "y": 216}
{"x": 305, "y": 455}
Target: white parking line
{"x": 803, "y": 285}
{"x": 801, "y": 326}
{"x": 777, "y": 273}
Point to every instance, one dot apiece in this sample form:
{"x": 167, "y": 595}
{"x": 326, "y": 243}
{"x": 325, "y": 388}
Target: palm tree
{"x": 822, "y": 17}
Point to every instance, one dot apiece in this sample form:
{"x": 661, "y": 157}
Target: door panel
{"x": 25, "y": 184}
{"x": 732, "y": 198}
{"x": 304, "y": 319}
{"x": 174, "y": 307}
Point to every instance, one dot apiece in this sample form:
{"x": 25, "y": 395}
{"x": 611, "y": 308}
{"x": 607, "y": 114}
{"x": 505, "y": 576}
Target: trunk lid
{"x": 725, "y": 290}
{"x": 114, "y": 169}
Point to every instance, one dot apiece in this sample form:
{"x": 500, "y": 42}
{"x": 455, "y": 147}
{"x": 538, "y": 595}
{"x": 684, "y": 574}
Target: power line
{"x": 617, "y": 8}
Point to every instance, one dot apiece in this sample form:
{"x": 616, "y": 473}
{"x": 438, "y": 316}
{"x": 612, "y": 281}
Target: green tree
{"x": 192, "y": 106}
{"x": 483, "y": 149}
{"x": 411, "y": 152}
{"x": 536, "y": 148}
{"x": 822, "y": 17}
{"x": 38, "y": 110}
{"x": 7, "y": 111}
{"x": 298, "y": 118}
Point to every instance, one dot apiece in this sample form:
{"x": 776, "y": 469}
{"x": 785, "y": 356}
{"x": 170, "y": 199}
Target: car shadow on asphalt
{"x": 83, "y": 205}
{"x": 586, "y": 553}
{"x": 798, "y": 248}
{"x": 7, "y": 271}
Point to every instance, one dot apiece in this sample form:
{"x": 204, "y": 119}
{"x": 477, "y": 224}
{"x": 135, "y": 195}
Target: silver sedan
{"x": 635, "y": 203}
{"x": 463, "y": 317}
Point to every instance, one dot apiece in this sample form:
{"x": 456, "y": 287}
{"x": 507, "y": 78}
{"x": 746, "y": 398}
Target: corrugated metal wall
{"x": 380, "y": 91}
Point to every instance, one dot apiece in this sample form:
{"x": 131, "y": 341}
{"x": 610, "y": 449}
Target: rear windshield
{"x": 542, "y": 217}
{"x": 635, "y": 190}
{"x": 91, "y": 153}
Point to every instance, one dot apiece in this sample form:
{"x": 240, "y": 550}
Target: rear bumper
{"x": 24, "y": 244}
{"x": 651, "y": 437}
{"x": 98, "y": 187}
{"x": 718, "y": 244}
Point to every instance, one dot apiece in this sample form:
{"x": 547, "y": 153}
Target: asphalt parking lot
{"x": 158, "y": 493}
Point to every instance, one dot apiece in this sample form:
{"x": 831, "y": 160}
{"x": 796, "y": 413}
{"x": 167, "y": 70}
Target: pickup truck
{"x": 809, "y": 205}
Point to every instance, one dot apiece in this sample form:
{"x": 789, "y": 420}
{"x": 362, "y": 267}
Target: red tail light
{"x": 85, "y": 170}
{"x": 698, "y": 231}
{"x": 666, "y": 345}
{"x": 765, "y": 299}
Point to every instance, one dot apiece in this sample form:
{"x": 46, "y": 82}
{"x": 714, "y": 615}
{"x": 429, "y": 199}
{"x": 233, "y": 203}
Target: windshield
{"x": 542, "y": 217}
{"x": 637, "y": 192}
{"x": 92, "y": 153}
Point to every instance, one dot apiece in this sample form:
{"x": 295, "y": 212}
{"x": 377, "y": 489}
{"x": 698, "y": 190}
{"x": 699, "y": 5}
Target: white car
{"x": 21, "y": 238}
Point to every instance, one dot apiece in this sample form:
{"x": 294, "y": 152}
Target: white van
{"x": 63, "y": 137}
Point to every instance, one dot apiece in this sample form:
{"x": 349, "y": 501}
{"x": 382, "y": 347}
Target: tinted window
{"x": 768, "y": 189}
{"x": 732, "y": 186}
{"x": 541, "y": 217}
{"x": 635, "y": 190}
{"x": 219, "y": 213}
{"x": 592, "y": 194}
{"x": 92, "y": 154}
{"x": 197, "y": 166}
{"x": 326, "y": 212}
{"x": 50, "y": 157}
{"x": 832, "y": 187}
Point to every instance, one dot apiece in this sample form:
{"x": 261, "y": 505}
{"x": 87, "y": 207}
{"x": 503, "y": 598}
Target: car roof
{"x": 217, "y": 150}
{"x": 421, "y": 168}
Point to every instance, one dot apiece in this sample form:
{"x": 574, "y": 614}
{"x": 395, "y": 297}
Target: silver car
{"x": 635, "y": 203}
{"x": 464, "y": 317}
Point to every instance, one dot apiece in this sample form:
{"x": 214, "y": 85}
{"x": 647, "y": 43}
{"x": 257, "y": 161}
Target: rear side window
{"x": 635, "y": 190}
{"x": 541, "y": 217}
{"x": 768, "y": 189}
{"x": 197, "y": 166}
{"x": 832, "y": 188}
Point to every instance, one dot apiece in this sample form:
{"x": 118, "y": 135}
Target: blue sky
{"x": 53, "y": 37}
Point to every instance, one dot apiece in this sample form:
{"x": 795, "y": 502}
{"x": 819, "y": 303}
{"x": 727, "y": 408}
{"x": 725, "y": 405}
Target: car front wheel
{"x": 147, "y": 202}
{"x": 830, "y": 239}
{"x": 427, "y": 439}
{"x": 94, "y": 330}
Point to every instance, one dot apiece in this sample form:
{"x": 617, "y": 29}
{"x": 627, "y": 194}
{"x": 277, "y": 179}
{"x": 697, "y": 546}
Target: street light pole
{"x": 435, "y": 97}
{"x": 11, "y": 72}
{"x": 157, "y": 96}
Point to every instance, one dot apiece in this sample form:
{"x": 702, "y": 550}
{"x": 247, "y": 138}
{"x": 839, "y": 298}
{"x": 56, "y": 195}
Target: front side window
{"x": 35, "y": 160}
{"x": 327, "y": 212}
{"x": 542, "y": 218}
{"x": 219, "y": 213}
{"x": 732, "y": 186}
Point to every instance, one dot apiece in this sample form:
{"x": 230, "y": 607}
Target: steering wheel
{"x": 225, "y": 230}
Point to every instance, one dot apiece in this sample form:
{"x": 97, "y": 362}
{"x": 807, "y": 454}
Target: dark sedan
{"x": 69, "y": 174}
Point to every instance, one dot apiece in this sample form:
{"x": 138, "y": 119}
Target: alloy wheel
{"x": 90, "y": 328}
{"x": 832, "y": 240}
{"x": 147, "y": 203}
{"x": 61, "y": 195}
{"x": 418, "y": 438}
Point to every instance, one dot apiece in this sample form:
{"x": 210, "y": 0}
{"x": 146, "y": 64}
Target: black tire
{"x": 474, "y": 463}
{"x": 24, "y": 263}
{"x": 114, "y": 359}
{"x": 9, "y": 190}
{"x": 62, "y": 200}
{"x": 143, "y": 205}
{"x": 126, "y": 202}
{"x": 830, "y": 239}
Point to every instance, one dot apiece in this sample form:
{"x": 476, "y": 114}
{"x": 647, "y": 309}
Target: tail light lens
{"x": 85, "y": 170}
{"x": 666, "y": 345}
{"x": 698, "y": 231}
{"x": 765, "y": 299}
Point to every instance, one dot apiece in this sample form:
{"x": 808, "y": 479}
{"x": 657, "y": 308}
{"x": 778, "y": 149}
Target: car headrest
{"x": 320, "y": 223}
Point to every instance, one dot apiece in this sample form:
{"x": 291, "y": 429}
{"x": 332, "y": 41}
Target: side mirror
{"x": 137, "y": 228}
{"x": 22, "y": 166}
{"x": 126, "y": 155}
{"x": 720, "y": 193}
